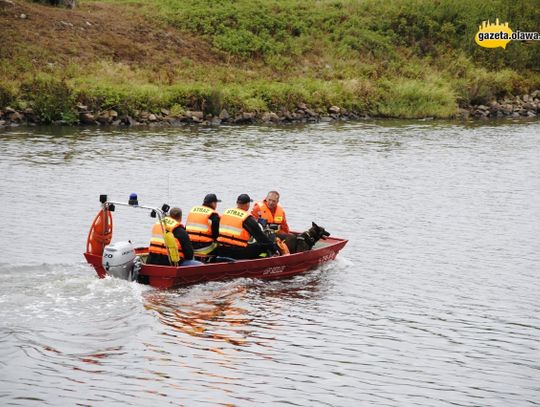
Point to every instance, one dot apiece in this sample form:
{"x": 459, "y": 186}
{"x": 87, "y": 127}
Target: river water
{"x": 433, "y": 302}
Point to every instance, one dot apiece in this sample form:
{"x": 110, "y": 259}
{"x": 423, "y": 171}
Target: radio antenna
{"x": 168, "y": 187}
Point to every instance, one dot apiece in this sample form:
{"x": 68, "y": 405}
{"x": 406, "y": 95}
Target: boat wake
{"x": 60, "y": 321}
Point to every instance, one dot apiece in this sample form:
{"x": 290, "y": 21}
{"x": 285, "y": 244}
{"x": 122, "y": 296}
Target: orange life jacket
{"x": 275, "y": 219}
{"x": 157, "y": 243}
{"x": 198, "y": 224}
{"x": 231, "y": 228}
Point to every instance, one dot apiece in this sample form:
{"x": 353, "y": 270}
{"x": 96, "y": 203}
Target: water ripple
{"x": 432, "y": 302}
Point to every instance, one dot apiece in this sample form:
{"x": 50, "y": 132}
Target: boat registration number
{"x": 327, "y": 257}
{"x": 273, "y": 270}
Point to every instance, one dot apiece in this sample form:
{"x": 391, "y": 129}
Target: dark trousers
{"x": 159, "y": 259}
{"x": 251, "y": 251}
{"x": 162, "y": 260}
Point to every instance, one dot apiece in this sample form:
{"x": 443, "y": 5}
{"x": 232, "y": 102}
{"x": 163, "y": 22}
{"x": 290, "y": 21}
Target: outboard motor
{"x": 120, "y": 261}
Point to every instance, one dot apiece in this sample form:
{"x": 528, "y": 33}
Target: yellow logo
{"x": 493, "y": 35}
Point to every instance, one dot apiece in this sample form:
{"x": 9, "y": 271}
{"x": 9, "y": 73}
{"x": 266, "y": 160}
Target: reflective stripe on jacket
{"x": 273, "y": 219}
{"x": 157, "y": 243}
{"x": 231, "y": 229}
{"x": 199, "y": 225}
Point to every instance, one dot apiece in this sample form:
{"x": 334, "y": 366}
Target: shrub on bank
{"x": 123, "y": 98}
{"x": 52, "y": 99}
{"x": 480, "y": 86}
{"x": 411, "y": 98}
{"x": 7, "y": 95}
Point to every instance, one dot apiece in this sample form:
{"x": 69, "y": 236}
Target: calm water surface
{"x": 434, "y": 301}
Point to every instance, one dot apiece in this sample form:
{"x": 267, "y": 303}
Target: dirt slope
{"x": 43, "y": 34}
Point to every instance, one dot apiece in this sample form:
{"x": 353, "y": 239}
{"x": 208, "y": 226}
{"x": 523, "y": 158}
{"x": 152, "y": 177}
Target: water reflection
{"x": 230, "y": 312}
{"x": 204, "y": 317}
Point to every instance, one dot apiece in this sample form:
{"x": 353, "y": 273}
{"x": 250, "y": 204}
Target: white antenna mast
{"x": 168, "y": 187}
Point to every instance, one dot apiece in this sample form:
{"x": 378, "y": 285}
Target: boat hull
{"x": 266, "y": 268}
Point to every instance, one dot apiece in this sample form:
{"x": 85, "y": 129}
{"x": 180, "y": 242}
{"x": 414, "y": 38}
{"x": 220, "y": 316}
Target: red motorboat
{"x": 124, "y": 261}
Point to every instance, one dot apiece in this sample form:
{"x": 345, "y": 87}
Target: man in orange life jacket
{"x": 202, "y": 223}
{"x": 157, "y": 252}
{"x": 236, "y": 228}
{"x": 271, "y": 211}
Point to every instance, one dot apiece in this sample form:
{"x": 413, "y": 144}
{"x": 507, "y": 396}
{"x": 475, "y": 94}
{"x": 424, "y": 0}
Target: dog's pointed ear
{"x": 314, "y": 224}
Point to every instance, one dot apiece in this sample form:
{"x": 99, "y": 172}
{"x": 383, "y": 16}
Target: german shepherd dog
{"x": 306, "y": 240}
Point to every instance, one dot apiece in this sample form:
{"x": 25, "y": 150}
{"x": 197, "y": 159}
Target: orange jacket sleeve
{"x": 284, "y": 225}
{"x": 255, "y": 211}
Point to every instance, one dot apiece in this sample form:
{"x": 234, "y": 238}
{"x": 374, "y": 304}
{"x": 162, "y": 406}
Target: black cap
{"x": 243, "y": 199}
{"x": 211, "y": 198}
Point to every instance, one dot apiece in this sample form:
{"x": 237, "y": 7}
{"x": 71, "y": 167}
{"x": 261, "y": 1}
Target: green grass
{"x": 410, "y": 98}
{"x": 403, "y": 58}
{"x": 265, "y": 28}
{"x": 257, "y": 96}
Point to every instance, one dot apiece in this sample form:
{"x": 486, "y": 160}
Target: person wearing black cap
{"x": 202, "y": 225}
{"x": 237, "y": 228}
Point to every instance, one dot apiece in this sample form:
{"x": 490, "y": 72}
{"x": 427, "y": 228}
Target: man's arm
{"x": 256, "y": 211}
{"x": 214, "y": 218}
{"x": 284, "y": 225}
{"x": 182, "y": 236}
{"x": 251, "y": 225}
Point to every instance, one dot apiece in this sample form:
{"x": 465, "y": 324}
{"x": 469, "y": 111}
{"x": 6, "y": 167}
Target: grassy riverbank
{"x": 407, "y": 59}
